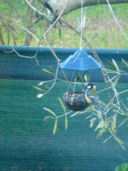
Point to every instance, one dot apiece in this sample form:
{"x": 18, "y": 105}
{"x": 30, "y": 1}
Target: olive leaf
{"x": 124, "y": 62}
{"x": 63, "y": 106}
{"x": 66, "y": 122}
{"x": 55, "y": 126}
{"x": 116, "y": 81}
{"x": 113, "y": 125}
{"x": 50, "y": 111}
{"x": 47, "y": 71}
{"x": 92, "y": 121}
{"x": 39, "y": 89}
{"x": 122, "y": 114}
{"x": 87, "y": 79}
{"x": 115, "y": 64}
{"x": 111, "y": 65}
{"x": 122, "y": 167}
{"x": 109, "y": 70}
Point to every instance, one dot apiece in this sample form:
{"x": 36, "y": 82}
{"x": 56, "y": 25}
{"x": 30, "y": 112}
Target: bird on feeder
{"x": 80, "y": 100}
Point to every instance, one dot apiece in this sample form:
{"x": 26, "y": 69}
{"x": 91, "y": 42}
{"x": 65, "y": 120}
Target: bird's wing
{"x": 95, "y": 101}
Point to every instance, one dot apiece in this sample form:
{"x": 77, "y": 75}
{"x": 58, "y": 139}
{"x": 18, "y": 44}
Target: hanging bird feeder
{"x": 79, "y": 62}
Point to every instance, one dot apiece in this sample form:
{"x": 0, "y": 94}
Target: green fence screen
{"x": 26, "y": 141}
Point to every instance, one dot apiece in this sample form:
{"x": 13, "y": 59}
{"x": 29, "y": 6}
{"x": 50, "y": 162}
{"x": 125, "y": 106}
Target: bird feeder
{"x": 79, "y": 62}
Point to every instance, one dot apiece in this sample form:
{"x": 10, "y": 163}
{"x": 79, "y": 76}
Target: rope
{"x": 81, "y": 28}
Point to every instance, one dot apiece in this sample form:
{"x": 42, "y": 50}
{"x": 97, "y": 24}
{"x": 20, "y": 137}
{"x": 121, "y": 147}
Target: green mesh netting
{"x": 26, "y": 141}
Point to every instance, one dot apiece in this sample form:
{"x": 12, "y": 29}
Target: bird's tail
{"x": 100, "y": 112}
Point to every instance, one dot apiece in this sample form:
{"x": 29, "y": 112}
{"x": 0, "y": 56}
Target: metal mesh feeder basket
{"x": 75, "y": 100}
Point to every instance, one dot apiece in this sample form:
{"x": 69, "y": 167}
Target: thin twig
{"x": 116, "y": 21}
{"x": 28, "y": 31}
{"x": 34, "y": 9}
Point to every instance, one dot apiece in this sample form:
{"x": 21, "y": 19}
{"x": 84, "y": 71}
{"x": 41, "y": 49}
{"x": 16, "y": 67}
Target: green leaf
{"x": 100, "y": 125}
{"x": 55, "y": 126}
{"x": 122, "y": 167}
{"x": 66, "y": 122}
{"x": 91, "y": 124}
{"x": 38, "y": 89}
{"x": 87, "y": 79}
{"x": 115, "y": 82}
{"x": 122, "y": 114}
{"x": 47, "y": 71}
{"x": 63, "y": 106}
{"x": 111, "y": 65}
{"x": 109, "y": 70}
{"x": 115, "y": 64}
{"x": 124, "y": 62}
{"x": 100, "y": 133}
{"x": 92, "y": 121}
{"x": 50, "y": 111}
{"x": 114, "y": 124}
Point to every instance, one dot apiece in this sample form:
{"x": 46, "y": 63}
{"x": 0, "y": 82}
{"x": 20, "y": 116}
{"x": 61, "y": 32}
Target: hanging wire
{"x": 70, "y": 84}
{"x": 81, "y": 35}
{"x": 81, "y": 28}
{"x": 75, "y": 79}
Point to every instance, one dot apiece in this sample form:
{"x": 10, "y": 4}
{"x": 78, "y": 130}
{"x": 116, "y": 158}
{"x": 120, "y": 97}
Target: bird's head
{"x": 91, "y": 89}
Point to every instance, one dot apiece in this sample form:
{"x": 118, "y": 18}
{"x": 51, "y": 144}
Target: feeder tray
{"x": 75, "y": 100}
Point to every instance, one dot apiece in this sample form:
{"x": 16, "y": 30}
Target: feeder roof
{"x": 80, "y": 61}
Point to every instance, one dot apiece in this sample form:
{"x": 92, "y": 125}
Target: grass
{"x": 99, "y": 20}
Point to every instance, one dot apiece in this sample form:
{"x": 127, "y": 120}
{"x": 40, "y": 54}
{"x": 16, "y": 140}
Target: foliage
{"x": 115, "y": 109}
{"x": 122, "y": 167}
{"x": 25, "y": 23}
{"x": 18, "y": 18}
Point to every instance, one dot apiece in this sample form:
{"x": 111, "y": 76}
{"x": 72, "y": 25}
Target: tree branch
{"x": 70, "y": 5}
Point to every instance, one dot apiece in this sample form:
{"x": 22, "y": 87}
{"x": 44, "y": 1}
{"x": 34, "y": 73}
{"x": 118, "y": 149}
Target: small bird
{"x": 92, "y": 98}
{"x": 78, "y": 101}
